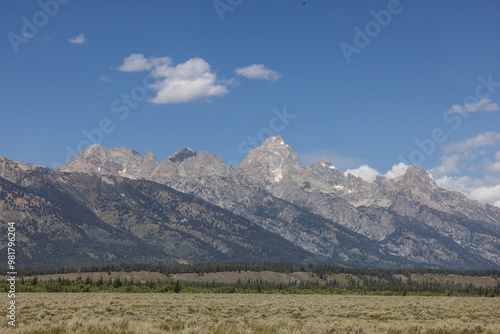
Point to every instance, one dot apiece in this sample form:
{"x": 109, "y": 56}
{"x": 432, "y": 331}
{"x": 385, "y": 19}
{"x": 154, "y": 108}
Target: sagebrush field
{"x": 251, "y": 313}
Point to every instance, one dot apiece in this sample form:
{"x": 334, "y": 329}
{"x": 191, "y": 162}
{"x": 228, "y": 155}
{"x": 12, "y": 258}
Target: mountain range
{"x": 116, "y": 205}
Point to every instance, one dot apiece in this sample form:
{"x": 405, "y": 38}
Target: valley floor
{"x": 250, "y": 313}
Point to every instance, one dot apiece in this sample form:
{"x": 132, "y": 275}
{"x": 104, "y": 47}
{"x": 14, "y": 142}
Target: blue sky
{"x": 361, "y": 82}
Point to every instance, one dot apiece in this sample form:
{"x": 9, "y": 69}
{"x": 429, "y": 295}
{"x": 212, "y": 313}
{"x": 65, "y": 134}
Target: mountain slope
{"x": 76, "y": 219}
{"x": 273, "y": 190}
{"x": 207, "y": 177}
{"x": 55, "y": 230}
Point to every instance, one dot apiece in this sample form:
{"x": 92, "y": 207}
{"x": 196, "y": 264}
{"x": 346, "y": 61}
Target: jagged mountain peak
{"x": 324, "y": 162}
{"x": 96, "y": 150}
{"x": 276, "y": 140}
{"x": 182, "y": 155}
{"x": 270, "y": 162}
{"x": 119, "y": 161}
{"x": 150, "y": 156}
{"x": 274, "y": 146}
{"x": 416, "y": 174}
{"x": 92, "y": 149}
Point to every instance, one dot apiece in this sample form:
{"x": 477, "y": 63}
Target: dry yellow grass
{"x": 238, "y": 313}
{"x": 453, "y": 279}
{"x": 137, "y": 276}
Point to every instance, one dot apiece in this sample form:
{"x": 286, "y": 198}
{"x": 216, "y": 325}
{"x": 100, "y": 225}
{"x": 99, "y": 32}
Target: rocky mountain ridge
{"x": 395, "y": 212}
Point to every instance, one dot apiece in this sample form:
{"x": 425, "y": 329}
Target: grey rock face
{"x": 117, "y": 161}
{"x": 12, "y": 170}
{"x": 182, "y": 155}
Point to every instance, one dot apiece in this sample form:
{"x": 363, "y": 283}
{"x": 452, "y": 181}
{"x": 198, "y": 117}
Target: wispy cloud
{"x": 494, "y": 166}
{"x": 137, "y": 62}
{"x": 80, "y": 39}
{"x": 482, "y": 140}
{"x": 481, "y": 105}
{"x": 181, "y": 83}
{"x": 449, "y": 165}
{"x": 104, "y": 78}
{"x": 258, "y": 71}
{"x": 486, "y": 189}
{"x": 471, "y": 155}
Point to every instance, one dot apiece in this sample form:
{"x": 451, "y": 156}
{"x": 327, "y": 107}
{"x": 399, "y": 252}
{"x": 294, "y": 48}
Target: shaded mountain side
{"x": 128, "y": 221}
{"x": 164, "y": 212}
{"x": 414, "y": 240}
{"x": 54, "y": 230}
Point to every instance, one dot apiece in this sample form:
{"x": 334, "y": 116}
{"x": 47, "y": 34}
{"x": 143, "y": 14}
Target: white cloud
{"x": 369, "y": 174}
{"x": 80, "y": 39}
{"x": 183, "y": 82}
{"x": 258, "y": 71}
{"x": 458, "y": 183}
{"x": 365, "y": 172}
{"x": 481, "y": 105}
{"x": 495, "y": 166}
{"x": 104, "y": 78}
{"x": 449, "y": 165}
{"x": 396, "y": 170}
{"x": 485, "y": 186}
{"x": 486, "y": 190}
{"x": 487, "y": 194}
{"x": 482, "y": 140}
{"x": 137, "y": 62}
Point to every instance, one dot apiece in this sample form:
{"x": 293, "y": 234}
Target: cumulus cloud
{"x": 258, "y": 71}
{"x": 481, "y": 105}
{"x": 80, "y": 39}
{"x": 369, "y": 174}
{"x": 482, "y": 140}
{"x": 396, "y": 170}
{"x": 181, "y": 83}
{"x": 365, "y": 172}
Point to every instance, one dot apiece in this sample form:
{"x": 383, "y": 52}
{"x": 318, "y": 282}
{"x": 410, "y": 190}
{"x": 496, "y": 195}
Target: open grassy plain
{"x": 251, "y": 313}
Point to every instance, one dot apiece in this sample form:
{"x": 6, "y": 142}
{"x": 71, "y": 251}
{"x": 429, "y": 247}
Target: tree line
{"x": 356, "y": 280}
{"x": 355, "y": 285}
